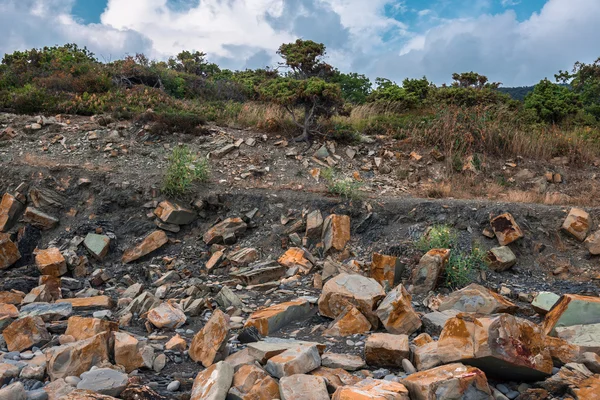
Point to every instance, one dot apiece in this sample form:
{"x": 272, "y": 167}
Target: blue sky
{"x": 517, "y": 42}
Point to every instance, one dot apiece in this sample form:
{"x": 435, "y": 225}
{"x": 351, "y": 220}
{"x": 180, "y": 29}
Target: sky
{"x": 516, "y": 42}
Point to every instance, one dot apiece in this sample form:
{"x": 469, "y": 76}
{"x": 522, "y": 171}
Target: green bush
{"x": 183, "y": 171}
{"x": 437, "y": 237}
{"x": 552, "y": 103}
{"x": 463, "y": 268}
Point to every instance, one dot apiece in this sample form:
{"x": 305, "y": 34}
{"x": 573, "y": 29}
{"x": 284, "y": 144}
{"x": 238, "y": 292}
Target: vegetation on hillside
{"x": 306, "y": 96}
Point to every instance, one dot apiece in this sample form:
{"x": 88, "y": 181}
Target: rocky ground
{"x": 262, "y": 285}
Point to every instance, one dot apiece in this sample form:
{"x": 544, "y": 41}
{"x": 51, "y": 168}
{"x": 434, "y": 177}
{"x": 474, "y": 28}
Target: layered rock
{"x": 210, "y": 344}
{"x": 273, "y": 318}
{"x": 386, "y": 350}
{"x": 452, "y": 381}
{"x": 477, "y": 299}
{"x": 426, "y": 275}
{"x": 397, "y": 314}
{"x": 506, "y": 229}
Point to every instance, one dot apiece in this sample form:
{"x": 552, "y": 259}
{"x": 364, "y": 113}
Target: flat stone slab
{"x": 104, "y": 381}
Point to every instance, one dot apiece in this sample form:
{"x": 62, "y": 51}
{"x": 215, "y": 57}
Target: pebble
{"x": 408, "y": 367}
{"x": 153, "y": 385}
{"x": 72, "y": 380}
{"x": 502, "y": 388}
{"x": 380, "y": 373}
{"x": 523, "y": 387}
{"x": 173, "y": 386}
{"x": 27, "y": 355}
{"x": 39, "y": 394}
{"x": 513, "y": 394}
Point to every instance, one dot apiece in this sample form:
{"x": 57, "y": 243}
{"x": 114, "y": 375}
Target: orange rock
{"x": 296, "y": 257}
{"x": 89, "y": 303}
{"x": 588, "y": 389}
{"x": 9, "y": 253}
{"x": 336, "y": 232}
{"x": 131, "y": 353}
{"x": 300, "y": 359}
{"x": 455, "y": 381}
{"x": 386, "y": 350}
{"x": 303, "y": 387}
{"x": 8, "y": 310}
{"x": 273, "y": 318}
{"x": 39, "y": 219}
{"x": 25, "y": 333}
{"x": 75, "y": 358}
{"x": 213, "y": 383}
{"x": 335, "y": 377}
{"x": 350, "y": 322}
{"x": 152, "y": 242}
{"x": 10, "y": 209}
{"x": 225, "y": 232}
{"x": 572, "y": 309}
{"x": 386, "y": 270}
{"x": 251, "y": 382}
{"x": 422, "y": 339}
{"x": 561, "y": 351}
{"x": 167, "y": 315}
{"x": 372, "y": 389}
{"x": 506, "y": 229}
{"x": 171, "y": 213}
{"x": 13, "y": 297}
{"x": 51, "y": 262}
{"x": 82, "y": 328}
{"x": 176, "y": 343}
{"x": 577, "y": 224}
{"x": 53, "y": 285}
{"x": 215, "y": 260}
{"x": 210, "y": 344}
{"x": 426, "y": 275}
{"x": 397, "y": 314}
{"x": 477, "y": 299}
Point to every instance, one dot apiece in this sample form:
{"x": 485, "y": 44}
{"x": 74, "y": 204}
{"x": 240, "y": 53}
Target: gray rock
{"x": 47, "y": 311}
{"x": 501, "y": 258}
{"x": 72, "y": 380}
{"x": 310, "y": 387}
{"x": 408, "y": 367}
{"x": 226, "y": 298}
{"x": 434, "y": 322}
{"x": 344, "y": 361}
{"x": 38, "y": 394}
{"x": 173, "y": 386}
{"x": 104, "y": 381}
{"x": 585, "y": 336}
{"x": 159, "y": 362}
{"x": 14, "y": 391}
{"x": 543, "y": 302}
{"x": 299, "y": 360}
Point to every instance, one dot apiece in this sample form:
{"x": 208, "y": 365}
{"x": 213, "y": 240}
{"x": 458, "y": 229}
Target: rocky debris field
{"x": 259, "y": 287}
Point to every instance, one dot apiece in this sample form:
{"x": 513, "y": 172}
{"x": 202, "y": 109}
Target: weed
{"x": 348, "y": 188}
{"x": 184, "y": 169}
{"x": 463, "y": 268}
{"x": 437, "y": 237}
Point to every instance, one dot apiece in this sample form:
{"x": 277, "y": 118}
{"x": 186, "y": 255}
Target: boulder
{"x": 397, "y": 314}
{"x": 453, "y": 381}
{"x": 336, "y": 232}
{"x": 386, "y": 270}
{"x": 347, "y": 362}
{"x": 297, "y": 258}
{"x": 10, "y": 210}
{"x": 89, "y": 303}
{"x": 105, "y": 381}
{"x": 210, "y": 344}
{"x": 51, "y": 262}
{"x": 81, "y": 328}
{"x": 364, "y": 293}
{"x": 75, "y": 358}
{"x": 426, "y": 275}
{"x": 226, "y": 231}
{"x": 577, "y": 224}
{"x": 132, "y": 353}
{"x": 386, "y": 350}
{"x": 39, "y": 219}
{"x": 501, "y": 259}
{"x": 152, "y": 242}
{"x": 592, "y": 243}
{"x": 587, "y": 337}
{"x": 213, "y": 383}
{"x": 572, "y": 309}
{"x": 275, "y": 317}
{"x": 588, "y": 389}
{"x": 314, "y": 224}
{"x": 506, "y": 229}
{"x": 14, "y": 391}
{"x": 434, "y": 322}
{"x": 350, "y": 322}
{"x": 335, "y": 378}
{"x": 477, "y": 299}
{"x": 303, "y": 387}
{"x": 300, "y": 359}
{"x": 25, "y": 333}
{"x": 544, "y": 301}
{"x": 97, "y": 245}
{"x": 372, "y": 389}
{"x": 47, "y": 311}
{"x": 171, "y": 213}
{"x": 270, "y": 347}
{"x": 250, "y": 382}
{"x": 167, "y": 316}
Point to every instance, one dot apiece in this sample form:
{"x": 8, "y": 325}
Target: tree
{"x": 420, "y": 88}
{"x": 193, "y": 63}
{"x": 472, "y": 80}
{"x": 552, "y": 103}
{"x": 585, "y": 81}
{"x": 355, "y": 87}
{"x": 304, "y": 87}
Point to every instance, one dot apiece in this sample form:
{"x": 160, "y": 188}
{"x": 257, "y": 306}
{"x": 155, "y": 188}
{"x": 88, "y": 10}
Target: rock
{"x": 571, "y": 375}
{"x": 172, "y": 213}
{"x": 47, "y": 311}
{"x": 173, "y": 386}
{"x": 14, "y": 391}
{"x": 477, "y": 299}
{"x": 223, "y": 151}
{"x": 345, "y": 361}
{"x": 297, "y": 258}
{"x": 13, "y": 297}
{"x": 296, "y": 360}
{"x": 587, "y": 337}
{"x": 386, "y": 350}
{"x": 453, "y": 381}
{"x": 336, "y": 232}
{"x": 58, "y": 389}
{"x": 39, "y": 219}
{"x": 501, "y": 259}
{"x": 97, "y": 245}
{"x": 81, "y": 328}
{"x": 213, "y": 383}
{"x": 104, "y": 381}
{"x": 364, "y": 293}
{"x": 386, "y": 270}
{"x": 167, "y": 316}
{"x": 37, "y": 372}
{"x": 51, "y": 262}
{"x": 372, "y": 389}
{"x": 225, "y": 232}
{"x": 89, "y": 303}
{"x": 78, "y": 357}
{"x": 592, "y": 243}
{"x": 226, "y": 298}
{"x": 501, "y": 345}
{"x": 159, "y": 363}
{"x": 210, "y": 344}
{"x": 426, "y": 275}
{"x": 396, "y": 312}
{"x": 588, "y": 389}
{"x": 243, "y": 257}
{"x": 273, "y": 318}
{"x": 215, "y": 260}
{"x": 152, "y": 242}
{"x": 252, "y": 382}
{"x": 9, "y": 253}
{"x": 131, "y": 353}
{"x": 506, "y": 229}
{"x": 270, "y": 347}
{"x": 10, "y": 210}
{"x": 561, "y": 351}
{"x": 335, "y": 378}
{"x": 577, "y": 224}
{"x": 314, "y": 224}
{"x": 81, "y": 394}
{"x": 142, "y": 304}
{"x": 242, "y": 357}
{"x": 303, "y": 387}
{"x": 260, "y": 273}
{"x": 591, "y": 361}
{"x": 176, "y": 343}
{"x": 350, "y": 322}
{"x": 544, "y": 301}
{"x": 434, "y": 322}
{"x": 571, "y": 310}
{"x": 25, "y": 333}
{"x": 8, "y": 372}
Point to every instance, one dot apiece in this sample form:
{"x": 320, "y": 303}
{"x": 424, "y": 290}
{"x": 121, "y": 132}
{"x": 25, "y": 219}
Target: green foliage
{"x": 552, "y": 103}
{"x": 193, "y": 63}
{"x": 472, "y": 80}
{"x": 388, "y": 91}
{"x": 418, "y": 88}
{"x": 437, "y": 237}
{"x": 463, "y": 268}
{"x": 347, "y": 188}
{"x": 305, "y": 59}
{"x": 355, "y": 87}
{"x": 184, "y": 169}
{"x": 585, "y": 81}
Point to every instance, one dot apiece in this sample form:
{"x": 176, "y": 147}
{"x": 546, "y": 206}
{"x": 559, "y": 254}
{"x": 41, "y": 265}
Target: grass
{"x": 183, "y": 171}
{"x": 437, "y": 237}
{"x": 347, "y": 188}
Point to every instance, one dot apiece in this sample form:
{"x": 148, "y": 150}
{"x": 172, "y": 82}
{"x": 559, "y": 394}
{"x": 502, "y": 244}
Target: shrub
{"x": 463, "y": 268}
{"x": 437, "y": 237}
{"x": 347, "y": 188}
{"x": 184, "y": 169}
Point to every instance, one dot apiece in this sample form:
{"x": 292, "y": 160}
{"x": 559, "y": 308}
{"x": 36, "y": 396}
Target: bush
{"x": 184, "y": 169}
{"x": 552, "y": 103}
{"x": 463, "y": 268}
{"x": 347, "y": 188}
{"x": 437, "y": 237}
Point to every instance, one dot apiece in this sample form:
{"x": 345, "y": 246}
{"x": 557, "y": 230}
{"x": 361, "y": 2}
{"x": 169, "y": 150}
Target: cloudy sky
{"x": 517, "y": 42}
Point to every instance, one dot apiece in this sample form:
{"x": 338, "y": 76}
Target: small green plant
{"x": 462, "y": 268}
{"x": 184, "y": 169}
{"x": 438, "y": 237}
{"x": 347, "y": 188}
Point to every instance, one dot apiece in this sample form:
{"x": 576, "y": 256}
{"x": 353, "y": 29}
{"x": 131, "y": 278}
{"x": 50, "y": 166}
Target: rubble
{"x": 271, "y": 319}
{"x": 426, "y": 275}
{"x": 506, "y": 229}
{"x": 577, "y": 224}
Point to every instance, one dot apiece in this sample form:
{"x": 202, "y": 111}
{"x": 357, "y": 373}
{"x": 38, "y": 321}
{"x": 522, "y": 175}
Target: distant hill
{"x": 517, "y": 93}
